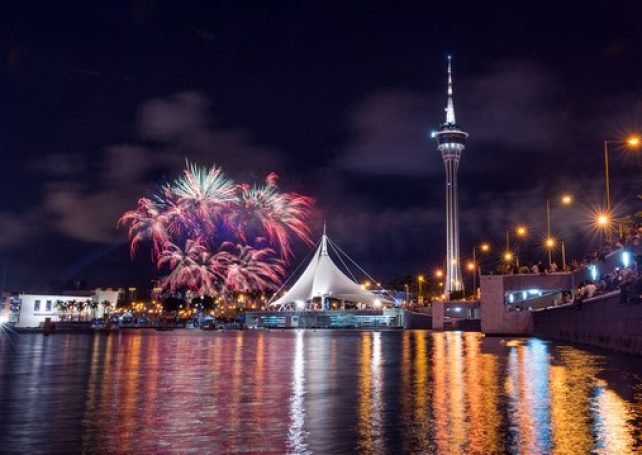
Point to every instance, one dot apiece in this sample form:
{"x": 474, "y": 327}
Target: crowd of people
{"x": 627, "y": 280}
{"x": 616, "y": 274}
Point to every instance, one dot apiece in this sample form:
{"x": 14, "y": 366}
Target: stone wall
{"x": 496, "y": 318}
{"x": 417, "y": 320}
{"x": 600, "y": 322}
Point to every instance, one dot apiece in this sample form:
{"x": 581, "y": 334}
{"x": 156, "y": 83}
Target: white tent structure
{"x": 323, "y": 280}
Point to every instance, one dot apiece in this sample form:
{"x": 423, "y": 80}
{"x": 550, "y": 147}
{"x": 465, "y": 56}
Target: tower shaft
{"x": 451, "y": 156}
{"x": 451, "y": 142}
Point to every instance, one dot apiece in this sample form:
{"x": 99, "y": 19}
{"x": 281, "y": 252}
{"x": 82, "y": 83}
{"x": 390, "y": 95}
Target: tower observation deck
{"x": 451, "y": 141}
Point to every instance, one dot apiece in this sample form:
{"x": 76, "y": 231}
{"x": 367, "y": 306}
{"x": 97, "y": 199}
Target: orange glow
{"x": 521, "y": 231}
{"x": 439, "y": 273}
{"x": 550, "y": 242}
{"x": 567, "y": 199}
{"x": 485, "y": 247}
{"x": 602, "y": 219}
{"x": 633, "y": 140}
{"x": 470, "y": 266}
{"x": 508, "y": 256}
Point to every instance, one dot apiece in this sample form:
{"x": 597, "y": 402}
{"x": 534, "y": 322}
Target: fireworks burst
{"x": 210, "y": 233}
{"x": 278, "y": 215}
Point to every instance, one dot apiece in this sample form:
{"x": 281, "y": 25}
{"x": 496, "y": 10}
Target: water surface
{"x": 325, "y": 392}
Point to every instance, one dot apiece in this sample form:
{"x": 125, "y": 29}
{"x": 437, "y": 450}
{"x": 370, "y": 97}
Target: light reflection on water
{"x": 314, "y": 392}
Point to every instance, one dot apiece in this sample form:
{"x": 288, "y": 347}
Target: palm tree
{"x": 71, "y": 304}
{"x": 60, "y": 306}
{"x": 106, "y": 304}
{"x": 80, "y": 306}
{"x": 92, "y": 304}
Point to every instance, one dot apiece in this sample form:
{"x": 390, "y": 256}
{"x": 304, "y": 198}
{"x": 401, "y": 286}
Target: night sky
{"x": 103, "y": 101}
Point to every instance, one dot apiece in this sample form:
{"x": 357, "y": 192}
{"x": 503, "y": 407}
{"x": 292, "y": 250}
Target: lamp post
{"x": 439, "y": 275}
{"x": 474, "y": 267}
{"x": 632, "y": 141}
{"x": 520, "y": 233}
{"x": 566, "y": 199}
{"x": 420, "y": 297}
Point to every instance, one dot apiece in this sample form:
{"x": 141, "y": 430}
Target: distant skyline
{"x": 102, "y": 102}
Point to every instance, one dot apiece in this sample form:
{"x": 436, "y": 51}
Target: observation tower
{"x": 451, "y": 141}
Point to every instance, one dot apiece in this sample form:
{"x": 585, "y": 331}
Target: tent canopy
{"x": 322, "y": 278}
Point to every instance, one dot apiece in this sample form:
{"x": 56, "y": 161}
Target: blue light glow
{"x": 626, "y": 259}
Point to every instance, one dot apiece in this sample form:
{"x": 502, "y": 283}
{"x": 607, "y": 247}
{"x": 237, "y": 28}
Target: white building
{"x": 31, "y": 310}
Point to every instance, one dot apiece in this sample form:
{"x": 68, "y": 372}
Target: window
{"x": 48, "y": 307}
{"x": 36, "y": 305}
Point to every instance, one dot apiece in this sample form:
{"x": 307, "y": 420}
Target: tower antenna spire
{"x": 450, "y": 106}
{"x": 324, "y": 242}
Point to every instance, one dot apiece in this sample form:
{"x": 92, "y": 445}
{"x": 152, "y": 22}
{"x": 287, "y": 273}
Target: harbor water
{"x": 303, "y": 391}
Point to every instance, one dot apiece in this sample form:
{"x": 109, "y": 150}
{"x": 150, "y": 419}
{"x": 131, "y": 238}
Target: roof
{"x": 322, "y": 278}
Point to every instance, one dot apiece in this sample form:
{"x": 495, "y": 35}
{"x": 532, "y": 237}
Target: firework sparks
{"x": 272, "y": 213}
{"x": 147, "y": 222}
{"x": 183, "y": 224}
{"x": 248, "y": 269}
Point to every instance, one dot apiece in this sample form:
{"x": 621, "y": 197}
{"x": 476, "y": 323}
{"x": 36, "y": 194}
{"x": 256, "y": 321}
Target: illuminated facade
{"x": 451, "y": 142}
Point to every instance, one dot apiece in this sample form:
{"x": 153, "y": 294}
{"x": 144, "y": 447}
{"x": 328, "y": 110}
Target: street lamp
{"x": 483, "y": 248}
{"x": 420, "y": 279}
{"x": 632, "y": 141}
{"x": 565, "y": 199}
{"x": 603, "y": 221}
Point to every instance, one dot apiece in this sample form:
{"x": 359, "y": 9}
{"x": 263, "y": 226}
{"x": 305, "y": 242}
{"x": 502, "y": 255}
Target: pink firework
{"x": 203, "y": 194}
{"x": 204, "y": 229}
{"x": 147, "y": 222}
{"x": 249, "y": 269}
{"x": 279, "y": 215}
{"x": 193, "y": 268}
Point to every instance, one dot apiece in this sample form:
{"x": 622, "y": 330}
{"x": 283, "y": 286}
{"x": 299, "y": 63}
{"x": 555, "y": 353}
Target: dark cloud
{"x": 182, "y": 125}
{"x": 83, "y": 201}
{"x": 511, "y": 106}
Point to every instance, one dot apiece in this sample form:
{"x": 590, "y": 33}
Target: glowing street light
{"x": 521, "y": 231}
{"x": 470, "y": 266}
{"x": 508, "y": 256}
{"x": 633, "y": 141}
{"x": 439, "y": 273}
{"x": 549, "y": 242}
{"x": 603, "y": 220}
{"x": 485, "y": 247}
{"x": 565, "y": 199}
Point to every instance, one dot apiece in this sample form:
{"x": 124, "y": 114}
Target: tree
{"x": 92, "y": 304}
{"x": 60, "y": 306}
{"x": 106, "y": 304}
{"x": 71, "y": 306}
{"x": 80, "y": 306}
